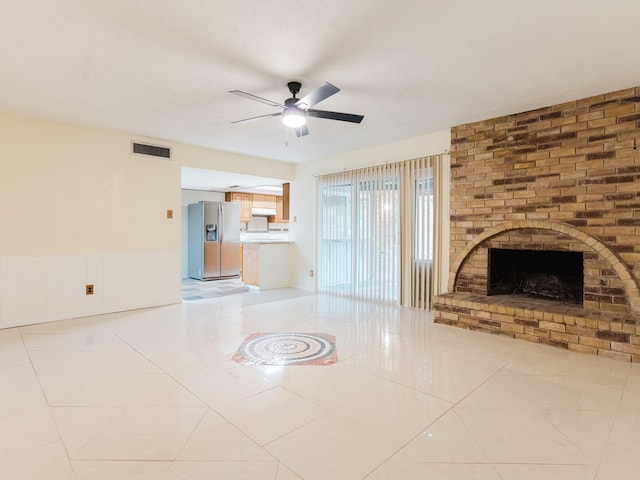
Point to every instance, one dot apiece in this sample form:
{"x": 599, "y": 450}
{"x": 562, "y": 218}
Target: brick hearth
{"x": 565, "y": 178}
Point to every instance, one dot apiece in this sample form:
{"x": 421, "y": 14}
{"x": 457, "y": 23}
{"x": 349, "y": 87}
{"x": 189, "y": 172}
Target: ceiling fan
{"x": 295, "y": 110}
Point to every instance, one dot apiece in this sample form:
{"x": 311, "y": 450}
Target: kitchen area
{"x": 237, "y": 235}
{"x": 264, "y": 238}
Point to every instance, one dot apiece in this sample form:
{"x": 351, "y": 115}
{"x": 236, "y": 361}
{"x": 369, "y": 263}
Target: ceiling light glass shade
{"x": 293, "y": 118}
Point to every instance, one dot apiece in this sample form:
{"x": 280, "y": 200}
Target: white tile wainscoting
{"x": 36, "y": 289}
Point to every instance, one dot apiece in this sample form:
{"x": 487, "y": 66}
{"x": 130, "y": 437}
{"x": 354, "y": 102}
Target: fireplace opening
{"x": 549, "y": 274}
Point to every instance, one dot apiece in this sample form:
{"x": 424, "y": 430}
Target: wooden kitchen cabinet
{"x": 251, "y": 264}
{"x": 266, "y": 265}
{"x": 285, "y": 202}
{"x": 246, "y": 203}
{"x": 264, "y": 201}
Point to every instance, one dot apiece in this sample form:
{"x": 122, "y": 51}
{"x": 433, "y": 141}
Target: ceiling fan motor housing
{"x": 294, "y": 87}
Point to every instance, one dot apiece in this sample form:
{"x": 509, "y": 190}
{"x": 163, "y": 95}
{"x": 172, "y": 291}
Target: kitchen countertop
{"x": 264, "y": 240}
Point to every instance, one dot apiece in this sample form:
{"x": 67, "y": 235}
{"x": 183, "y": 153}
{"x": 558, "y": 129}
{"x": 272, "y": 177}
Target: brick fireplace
{"x": 564, "y": 178}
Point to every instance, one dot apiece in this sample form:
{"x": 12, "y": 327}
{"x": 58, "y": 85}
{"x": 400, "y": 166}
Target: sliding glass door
{"x": 359, "y": 250}
{"x": 376, "y": 232}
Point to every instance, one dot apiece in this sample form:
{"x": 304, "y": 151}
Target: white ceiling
{"x": 163, "y": 68}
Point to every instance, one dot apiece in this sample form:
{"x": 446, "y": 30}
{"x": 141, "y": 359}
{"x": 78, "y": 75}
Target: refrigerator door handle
{"x": 221, "y": 215}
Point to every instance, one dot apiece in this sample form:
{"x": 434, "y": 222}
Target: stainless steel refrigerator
{"x": 214, "y": 240}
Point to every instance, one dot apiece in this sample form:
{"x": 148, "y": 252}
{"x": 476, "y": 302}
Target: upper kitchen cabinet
{"x": 245, "y": 201}
{"x": 250, "y": 201}
{"x": 264, "y": 201}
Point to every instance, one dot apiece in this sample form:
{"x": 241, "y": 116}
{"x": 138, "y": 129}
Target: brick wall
{"x": 565, "y": 177}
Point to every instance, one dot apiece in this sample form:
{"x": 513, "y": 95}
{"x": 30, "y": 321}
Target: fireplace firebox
{"x": 549, "y": 274}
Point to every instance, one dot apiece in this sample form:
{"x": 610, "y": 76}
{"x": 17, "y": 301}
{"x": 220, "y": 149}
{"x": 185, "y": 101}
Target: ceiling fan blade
{"x": 256, "y": 98}
{"x": 344, "y": 117}
{"x": 302, "y": 131}
{"x": 259, "y": 116}
{"x": 316, "y": 96}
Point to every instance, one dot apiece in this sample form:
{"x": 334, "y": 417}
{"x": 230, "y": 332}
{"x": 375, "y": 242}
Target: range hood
{"x": 263, "y": 212}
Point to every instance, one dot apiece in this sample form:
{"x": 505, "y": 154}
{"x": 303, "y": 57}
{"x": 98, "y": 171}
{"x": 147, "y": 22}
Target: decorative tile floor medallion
{"x": 287, "y": 349}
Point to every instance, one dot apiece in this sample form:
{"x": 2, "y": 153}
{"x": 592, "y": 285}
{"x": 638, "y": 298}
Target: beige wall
{"x": 67, "y": 189}
{"x": 198, "y": 157}
{"x": 303, "y": 193}
{"x": 78, "y": 208}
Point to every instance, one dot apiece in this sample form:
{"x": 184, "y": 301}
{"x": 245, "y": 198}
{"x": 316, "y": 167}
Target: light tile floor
{"x": 153, "y": 394}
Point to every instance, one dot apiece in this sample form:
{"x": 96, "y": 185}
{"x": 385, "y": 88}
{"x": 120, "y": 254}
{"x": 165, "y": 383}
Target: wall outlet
{"x": 89, "y": 290}
{"x": 311, "y": 272}
{"x": 169, "y": 213}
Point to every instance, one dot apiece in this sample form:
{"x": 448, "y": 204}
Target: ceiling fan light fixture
{"x": 293, "y": 118}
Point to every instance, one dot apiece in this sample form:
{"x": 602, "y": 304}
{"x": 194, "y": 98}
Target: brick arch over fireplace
{"x": 622, "y": 271}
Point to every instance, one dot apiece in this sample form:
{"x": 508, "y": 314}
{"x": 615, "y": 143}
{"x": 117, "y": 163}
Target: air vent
{"x": 152, "y": 150}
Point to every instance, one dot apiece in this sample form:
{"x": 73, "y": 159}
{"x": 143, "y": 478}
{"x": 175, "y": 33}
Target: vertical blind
{"x": 376, "y": 232}
{"x": 359, "y": 233}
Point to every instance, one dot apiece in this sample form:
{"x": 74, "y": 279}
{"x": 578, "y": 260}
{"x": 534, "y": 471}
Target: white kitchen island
{"x": 265, "y": 263}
